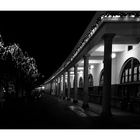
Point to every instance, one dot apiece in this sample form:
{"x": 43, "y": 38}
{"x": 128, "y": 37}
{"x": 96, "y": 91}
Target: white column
{"x": 60, "y": 86}
{"x": 86, "y": 96}
{"x": 51, "y": 87}
{"x": 55, "y": 86}
{"x": 57, "y": 89}
{"x": 106, "y": 97}
{"x": 75, "y": 84}
{"x": 69, "y": 85}
{"x": 64, "y": 86}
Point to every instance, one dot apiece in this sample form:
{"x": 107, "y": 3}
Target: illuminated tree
{"x": 25, "y": 66}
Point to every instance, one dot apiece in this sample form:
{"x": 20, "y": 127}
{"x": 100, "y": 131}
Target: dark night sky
{"x": 48, "y": 36}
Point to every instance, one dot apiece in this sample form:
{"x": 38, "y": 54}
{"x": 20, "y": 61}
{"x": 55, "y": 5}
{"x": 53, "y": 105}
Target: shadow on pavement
{"x": 51, "y": 113}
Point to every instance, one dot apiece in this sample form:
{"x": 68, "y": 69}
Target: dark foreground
{"x": 51, "y": 113}
{"x": 47, "y": 112}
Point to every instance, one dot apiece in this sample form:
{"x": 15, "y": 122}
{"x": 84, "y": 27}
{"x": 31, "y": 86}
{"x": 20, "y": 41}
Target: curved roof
{"x": 96, "y": 22}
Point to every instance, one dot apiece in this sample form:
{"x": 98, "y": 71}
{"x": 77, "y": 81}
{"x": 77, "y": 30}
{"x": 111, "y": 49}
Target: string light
{"x": 20, "y": 60}
{"x": 109, "y": 16}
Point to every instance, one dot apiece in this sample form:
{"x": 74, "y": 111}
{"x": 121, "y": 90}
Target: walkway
{"x": 45, "y": 113}
{"x": 96, "y": 108}
{"x": 120, "y": 119}
{"x": 50, "y": 112}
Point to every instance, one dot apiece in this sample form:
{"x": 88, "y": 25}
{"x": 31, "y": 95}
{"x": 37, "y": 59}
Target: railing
{"x": 123, "y": 96}
{"x": 130, "y": 98}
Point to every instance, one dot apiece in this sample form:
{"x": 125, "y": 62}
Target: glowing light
{"x": 133, "y": 16}
{"x": 80, "y": 68}
{"x": 71, "y": 72}
{"x": 92, "y": 66}
{"x": 81, "y": 73}
{"x": 122, "y": 16}
{"x": 21, "y": 60}
{"x": 93, "y": 61}
{"x": 113, "y": 55}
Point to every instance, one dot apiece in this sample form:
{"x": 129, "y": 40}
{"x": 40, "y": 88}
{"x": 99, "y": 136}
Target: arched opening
{"x": 101, "y": 81}
{"x": 90, "y": 80}
{"x": 130, "y": 71}
{"x": 129, "y": 87}
{"x": 80, "y": 82}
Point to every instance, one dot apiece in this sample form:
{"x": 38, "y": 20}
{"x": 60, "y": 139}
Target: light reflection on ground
{"x": 78, "y": 110}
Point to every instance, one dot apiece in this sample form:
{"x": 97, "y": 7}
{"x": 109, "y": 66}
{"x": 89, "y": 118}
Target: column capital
{"x": 76, "y": 65}
{"x": 86, "y": 56}
{"x": 68, "y": 70}
{"x": 108, "y": 36}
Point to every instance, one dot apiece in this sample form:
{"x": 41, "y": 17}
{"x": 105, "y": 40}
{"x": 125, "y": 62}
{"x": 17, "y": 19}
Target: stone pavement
{"x": 45, "y": 113}
{"x": 51, "y": 112}
{"x": 96, "y": 108}
{"x": 119, "y": 120}
{"x": 127, "y": 119}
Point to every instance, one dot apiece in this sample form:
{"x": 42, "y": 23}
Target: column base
{"x": 85, "y": 106}
{"x": 75, "y": 101}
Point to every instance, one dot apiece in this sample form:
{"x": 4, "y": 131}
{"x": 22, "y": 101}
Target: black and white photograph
{"x": 70, "y": 70}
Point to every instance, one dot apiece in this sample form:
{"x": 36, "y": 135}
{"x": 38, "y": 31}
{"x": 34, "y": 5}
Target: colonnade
{"x": 61, "y": 78}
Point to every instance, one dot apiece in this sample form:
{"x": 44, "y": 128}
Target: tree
{"x": 26, "y": 68}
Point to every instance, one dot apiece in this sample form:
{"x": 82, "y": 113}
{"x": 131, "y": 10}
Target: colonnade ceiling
{"x": 99, "y": 52}
{"x": 91, "y": 62}
{"x": 96, "y": 54}
{"x": 126, "y": 34}
{"x": 127, "y": 39}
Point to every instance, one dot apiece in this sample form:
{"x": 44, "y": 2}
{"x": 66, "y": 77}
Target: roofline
{"x": 97, "y": 14}
{"x": 86, "y": 32}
